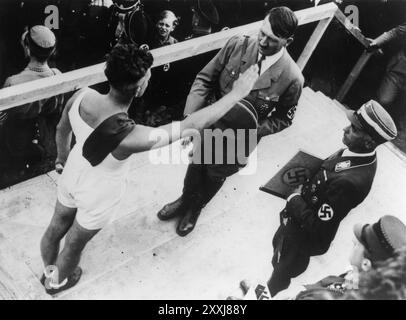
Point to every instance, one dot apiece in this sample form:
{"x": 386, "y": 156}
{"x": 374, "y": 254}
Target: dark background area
{"x": 84, "y": 37}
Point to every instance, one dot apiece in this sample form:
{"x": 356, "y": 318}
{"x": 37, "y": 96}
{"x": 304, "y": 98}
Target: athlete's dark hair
{"x": 127, "y": 64}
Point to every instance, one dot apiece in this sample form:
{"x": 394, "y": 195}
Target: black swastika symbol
{"x": 326, "y": 212}
{"x": 291, "y": 113}
{"x": 296, "y": 176}
{"x": 261, "y": 293}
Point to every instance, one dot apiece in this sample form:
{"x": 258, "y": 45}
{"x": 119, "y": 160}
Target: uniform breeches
{"x": 290, "y": 259}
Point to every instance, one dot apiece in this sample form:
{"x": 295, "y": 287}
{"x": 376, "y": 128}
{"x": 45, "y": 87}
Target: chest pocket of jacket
{"x": 228, "y": 76}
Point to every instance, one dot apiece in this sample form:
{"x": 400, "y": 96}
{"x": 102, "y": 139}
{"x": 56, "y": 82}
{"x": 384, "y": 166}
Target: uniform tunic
{"x": 310, "y": 220}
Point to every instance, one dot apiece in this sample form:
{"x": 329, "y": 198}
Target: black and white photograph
{"x": 212, "y": 151}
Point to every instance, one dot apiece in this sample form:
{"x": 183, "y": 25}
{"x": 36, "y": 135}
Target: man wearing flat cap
{"x": 20, "y": 124}
{"x": 273, "y": 101}
{"x": 313, "y": 212}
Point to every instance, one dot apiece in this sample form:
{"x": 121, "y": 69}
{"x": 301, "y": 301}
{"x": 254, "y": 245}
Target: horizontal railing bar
{"x": 73, "y": 80}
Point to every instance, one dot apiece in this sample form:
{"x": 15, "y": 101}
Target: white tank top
{"x": 82, "y": 130}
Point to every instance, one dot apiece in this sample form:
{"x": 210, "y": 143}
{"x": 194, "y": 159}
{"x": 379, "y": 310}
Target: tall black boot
{"x": 188, "y": 221}
{"x": 192, "y": 183}
{"x": 211, "y": 187}
{"x": 199, "y": 199}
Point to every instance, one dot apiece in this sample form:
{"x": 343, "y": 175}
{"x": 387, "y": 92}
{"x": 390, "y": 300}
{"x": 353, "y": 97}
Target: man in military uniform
{"x": 373, "y": 244}
{"x": 394, "y": 81}
{"x": 25, "y": 130}
{"x": 274, "y": 97}
{"x": 314, "y": 211}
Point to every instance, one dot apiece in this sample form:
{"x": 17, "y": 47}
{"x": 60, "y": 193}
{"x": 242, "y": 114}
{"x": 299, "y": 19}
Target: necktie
{"x": 259, "y": 63}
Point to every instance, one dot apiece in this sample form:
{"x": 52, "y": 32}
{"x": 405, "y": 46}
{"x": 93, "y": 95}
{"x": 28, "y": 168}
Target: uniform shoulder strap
{"x": 244, "y": 49}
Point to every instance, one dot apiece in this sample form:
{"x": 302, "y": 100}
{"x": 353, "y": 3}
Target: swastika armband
{"x": 291, "y": 113}
{"x": 326, "y": 212}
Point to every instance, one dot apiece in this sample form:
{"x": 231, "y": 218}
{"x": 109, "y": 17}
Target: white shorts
{"x": 95, "y": 194}
{"x": 90, "y": 216}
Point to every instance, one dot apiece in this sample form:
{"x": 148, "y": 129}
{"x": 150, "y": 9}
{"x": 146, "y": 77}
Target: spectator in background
{"x": 387, "y": 281}
{"x": 166, "y": 24}
{"x": 162, "y": 80}
{"x": 373, "y": 246}
{"x": 394, "y": 81}
{"x": 20, "y": 125}
{"x": 205, "y": 17}
{"x": 378, "y": 268}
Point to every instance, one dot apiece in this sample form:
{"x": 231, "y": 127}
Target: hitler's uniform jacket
{"x": 274, "y": 96}
{"x": 341, "y": 184}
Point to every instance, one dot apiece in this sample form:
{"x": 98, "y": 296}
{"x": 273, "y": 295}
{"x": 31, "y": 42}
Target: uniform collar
{"x": 269, "y": 61}
{"x": 348, "y": 153}
{"x": 345, "y": 160}
{"x": 36, "y": 67}
{"x": 272, "y": 73}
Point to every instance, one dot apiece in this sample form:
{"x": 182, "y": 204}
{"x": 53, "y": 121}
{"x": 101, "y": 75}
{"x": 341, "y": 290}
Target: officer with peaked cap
{"x": 380, "y": 240}
{"x": 314, "y": 211}
{"x": 373, "y": 244}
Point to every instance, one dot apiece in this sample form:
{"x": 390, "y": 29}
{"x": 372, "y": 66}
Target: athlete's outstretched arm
{"x": 145, "y": 138}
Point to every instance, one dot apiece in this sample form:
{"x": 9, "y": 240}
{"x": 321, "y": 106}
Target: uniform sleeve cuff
{"x": 292, "y": 195}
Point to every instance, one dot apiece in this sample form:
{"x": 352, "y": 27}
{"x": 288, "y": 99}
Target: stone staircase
{"x": 140, "y": 257}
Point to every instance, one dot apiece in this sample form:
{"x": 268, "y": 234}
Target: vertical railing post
{"x": 353, "y": 76}
{"x": 313, "y": 42}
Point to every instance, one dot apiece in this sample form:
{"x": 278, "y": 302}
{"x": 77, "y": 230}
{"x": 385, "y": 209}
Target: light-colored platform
{"x": 140, "y": 257}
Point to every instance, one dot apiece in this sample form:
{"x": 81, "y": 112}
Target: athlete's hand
{"x": 244, "y": 84}
{"x": 186, "y": 141}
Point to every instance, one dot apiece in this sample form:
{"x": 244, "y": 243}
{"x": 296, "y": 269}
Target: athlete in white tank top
{"x": 88, "y": 197}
